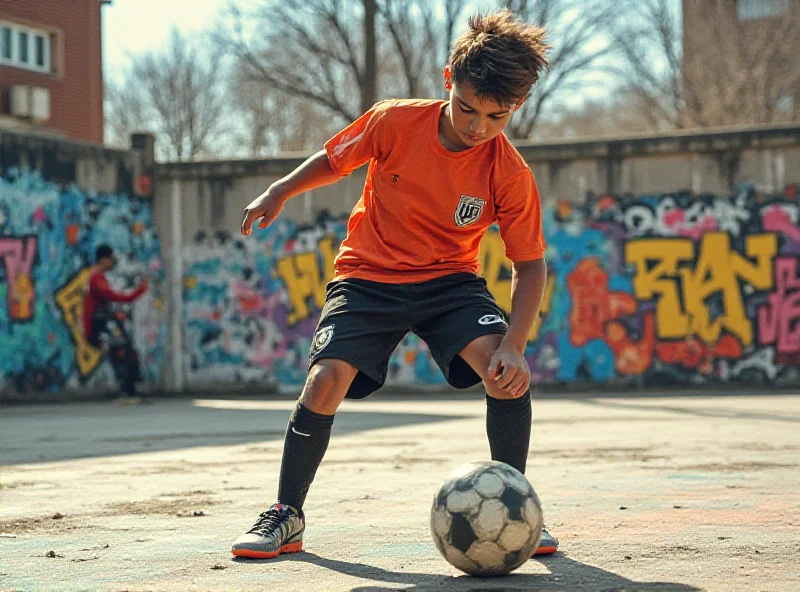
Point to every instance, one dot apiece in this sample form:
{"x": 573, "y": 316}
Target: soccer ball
{"x": 486, "y": 519}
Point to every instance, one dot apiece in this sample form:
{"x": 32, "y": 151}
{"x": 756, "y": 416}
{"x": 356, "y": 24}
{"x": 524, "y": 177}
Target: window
{"x": 5, "y": 42}
{"x": 27, "y": 48}
{"x": 39, "y": 51}
{"x": 758, "y": 9}
{"x": 23, "y": 47}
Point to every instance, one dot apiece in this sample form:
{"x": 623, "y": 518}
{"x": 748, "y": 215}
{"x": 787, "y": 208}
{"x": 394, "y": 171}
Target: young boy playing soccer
{"x": 440, "y": 174}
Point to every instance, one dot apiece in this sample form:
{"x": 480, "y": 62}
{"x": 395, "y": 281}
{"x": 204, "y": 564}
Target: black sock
{"x": 508, "y": 425}
{"x": 307, "y": 438}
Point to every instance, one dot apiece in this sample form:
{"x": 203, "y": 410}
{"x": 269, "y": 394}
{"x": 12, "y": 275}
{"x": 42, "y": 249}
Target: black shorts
{"x": 362, "y": 323}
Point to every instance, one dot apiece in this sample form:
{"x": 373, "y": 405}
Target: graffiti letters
{"x": 18, "y": 255}
{"x": 683, "y": 293}
{"x": 49, "y": 234}
{"x": 661, "y": 288}
{"x": 779, "y": 319}
{"x": 70, "y": 301}
{"x": 305, "y": 276}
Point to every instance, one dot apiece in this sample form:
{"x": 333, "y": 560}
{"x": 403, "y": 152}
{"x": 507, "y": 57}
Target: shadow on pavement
{"x": 565, "y": 574}
{"x": 90, "y": 430}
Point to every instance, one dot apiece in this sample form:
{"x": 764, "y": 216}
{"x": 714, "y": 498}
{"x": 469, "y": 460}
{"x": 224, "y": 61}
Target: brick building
{"x": 739, "y": 60}
{"x": 51, "y": 69}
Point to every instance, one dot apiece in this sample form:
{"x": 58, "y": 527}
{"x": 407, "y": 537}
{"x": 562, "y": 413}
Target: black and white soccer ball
{"x": 486, "y": 519}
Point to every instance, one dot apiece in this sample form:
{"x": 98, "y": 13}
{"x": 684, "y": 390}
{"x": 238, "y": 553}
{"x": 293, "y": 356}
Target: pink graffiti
{"x": 776, "y": 218}
{"x": 675, "y": 220}
{"x": 39, "y": 215}
{"x": 18, "y": 255}
{"x": 250, "y": 299}
{"x": 779, "y": 319}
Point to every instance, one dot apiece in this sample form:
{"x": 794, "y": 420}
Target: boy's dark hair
{"x": 103, "y": 251}
{"x": 500, "y": 56}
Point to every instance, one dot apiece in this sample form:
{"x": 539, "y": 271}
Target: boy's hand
{"x": 509, "y": 369}
{"x": 265, "y": 207}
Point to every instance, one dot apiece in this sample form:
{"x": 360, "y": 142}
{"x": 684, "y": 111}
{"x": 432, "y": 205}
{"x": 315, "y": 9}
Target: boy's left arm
{"x": 519, "y": 216}
{"x": 508, "y": 366}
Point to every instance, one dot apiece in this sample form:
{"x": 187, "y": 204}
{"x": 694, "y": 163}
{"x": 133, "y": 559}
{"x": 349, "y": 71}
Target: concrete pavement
{"x": 658, "y": 493}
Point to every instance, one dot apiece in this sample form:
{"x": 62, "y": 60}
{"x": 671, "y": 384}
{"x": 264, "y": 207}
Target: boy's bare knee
{"x": 326, "y": 385}
{"x": 496, "y": 392}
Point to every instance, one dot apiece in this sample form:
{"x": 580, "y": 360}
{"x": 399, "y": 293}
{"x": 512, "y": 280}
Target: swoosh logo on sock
{"x": 300, "y": 433}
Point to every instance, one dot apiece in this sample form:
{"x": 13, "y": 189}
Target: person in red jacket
{"x": 104, "y": 327}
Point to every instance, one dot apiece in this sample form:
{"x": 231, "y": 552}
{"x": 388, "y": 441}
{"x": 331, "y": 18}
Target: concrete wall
{"x": 250, "y": 305}
{"x": 214, "y": 193}
{"x": 650, "y": 290}
{"x": 58, "y": 201}
{"x": 228, "y": 312}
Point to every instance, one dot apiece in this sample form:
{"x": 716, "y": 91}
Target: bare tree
{"x": 651, "y": 65}
{"x": 344, "y": 54}
{"x": 176, "y": 93}
{"x": 421, "y": 38}
{"x": 739, "y": 69}
{"x": 182, "y": 87}
{"x": 266, "y": 121}
{"x": 723, "y": 70}
{"x": 582, "y": 35}
{"x": 125, "y": 111}
{"x": 622, "y": 113}
{"x": 320, "y": 50}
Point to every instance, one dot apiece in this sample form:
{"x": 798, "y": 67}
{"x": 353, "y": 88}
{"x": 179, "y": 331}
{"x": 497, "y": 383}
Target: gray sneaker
{"x": 278, "y": 530}
{"x": 547, "y": 545}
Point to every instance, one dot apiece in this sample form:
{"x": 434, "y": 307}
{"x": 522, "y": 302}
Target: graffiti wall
{"x": 663, "y": 289}
{"x": 251, "y": 306}
{"x": 48, "y": 235}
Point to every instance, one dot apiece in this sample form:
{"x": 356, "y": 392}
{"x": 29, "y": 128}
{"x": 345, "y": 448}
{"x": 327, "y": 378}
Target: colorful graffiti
{"x": 671, "y": 289}
{"x": 250, "y": 306}
{"x": 47, "y": 239}
{"x": 656, "y": 289}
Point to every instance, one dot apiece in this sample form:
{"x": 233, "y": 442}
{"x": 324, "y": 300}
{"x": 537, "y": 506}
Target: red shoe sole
{"x": 290, "y": 548}
{"x": 545, "y": 550}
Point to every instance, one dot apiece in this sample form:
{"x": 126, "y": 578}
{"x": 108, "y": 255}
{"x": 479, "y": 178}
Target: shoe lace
{"x": 267, "y": 522}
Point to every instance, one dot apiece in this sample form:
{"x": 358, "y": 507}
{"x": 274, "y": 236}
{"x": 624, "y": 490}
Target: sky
{"x": 134, "y": 26}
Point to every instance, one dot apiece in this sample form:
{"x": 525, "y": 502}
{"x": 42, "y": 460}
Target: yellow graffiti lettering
{"x": 305, "y": 279}
{"x": 681, "y": 309}
{"x": 656, "y": 262}
{"x": 497, "y": 269}
{"x": 22, "y": 295}
{"x": 70, "y": 301}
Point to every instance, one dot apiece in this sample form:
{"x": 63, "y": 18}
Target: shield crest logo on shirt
{"x": 321, "y": 338}
{"x": 468, "y": 210}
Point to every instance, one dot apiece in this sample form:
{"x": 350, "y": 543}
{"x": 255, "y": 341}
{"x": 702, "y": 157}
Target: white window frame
{"x": 33, "y": 33}
{"x": 748, "y": 10}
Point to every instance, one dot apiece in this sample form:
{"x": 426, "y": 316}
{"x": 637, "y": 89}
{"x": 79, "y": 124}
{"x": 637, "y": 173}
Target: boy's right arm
{"x": 314, "y": 172}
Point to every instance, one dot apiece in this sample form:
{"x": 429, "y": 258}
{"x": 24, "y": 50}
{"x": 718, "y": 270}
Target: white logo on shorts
{"x": 322, "y": 338}
{"x": 490, "y": 320}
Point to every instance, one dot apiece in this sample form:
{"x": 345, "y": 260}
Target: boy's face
{"x": 476, "y": 121}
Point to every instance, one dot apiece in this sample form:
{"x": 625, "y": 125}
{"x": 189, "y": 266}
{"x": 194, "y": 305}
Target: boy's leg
{"x": 309, "y": 429}
{"x": 508, "y": 419}
{"x": 360, "y": 325}
{"x": 463, "y": 326}
{"x": 280, "y": 529}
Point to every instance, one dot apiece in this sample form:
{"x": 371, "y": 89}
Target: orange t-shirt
{"x": 425, "y": 209}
